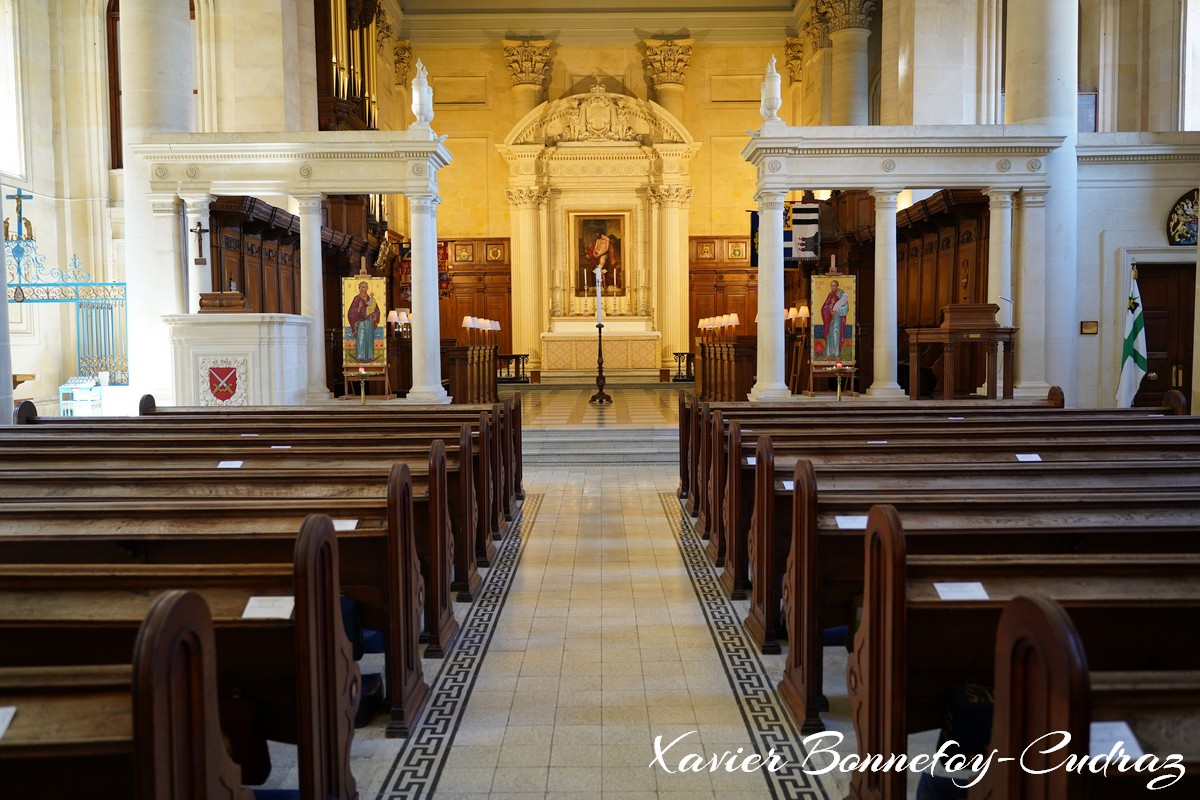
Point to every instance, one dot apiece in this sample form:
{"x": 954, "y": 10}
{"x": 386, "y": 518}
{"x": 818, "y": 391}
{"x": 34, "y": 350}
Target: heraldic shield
{"x": 222, "y": 382}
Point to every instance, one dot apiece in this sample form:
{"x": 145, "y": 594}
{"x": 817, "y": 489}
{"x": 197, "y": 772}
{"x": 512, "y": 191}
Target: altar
{"x": 631, "y": 346}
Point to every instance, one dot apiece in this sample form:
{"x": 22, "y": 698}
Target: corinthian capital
{"x": 793, "y": 58}
{"x": 814, "y": 29}
{"x": 527, "y": 60}
{"x": 672, "y": 196}
{"x": 525, "y": 196}
{"x": 667, "y": 59}
{"x": 844, "y": 14}
{"x": 383, "y": 28}
{"x": 402, "y": 59}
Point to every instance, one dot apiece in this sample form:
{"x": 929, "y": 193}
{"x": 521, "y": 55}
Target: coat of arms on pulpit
{"x": 222, "y": 382}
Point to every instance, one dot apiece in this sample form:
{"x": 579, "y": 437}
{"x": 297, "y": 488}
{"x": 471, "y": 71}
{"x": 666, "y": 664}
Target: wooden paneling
{"x": 721, "y": 281}
{"x": 480, "y": 286}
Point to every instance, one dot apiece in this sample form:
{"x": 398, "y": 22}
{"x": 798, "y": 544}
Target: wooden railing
{"x": 511, "y": 368}
{"x": 724, "y": 369}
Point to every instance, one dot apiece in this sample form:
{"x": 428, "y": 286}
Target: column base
{"x": 886, "y": 391}
{"x": 318, "y": 395}
{"x": 764, "y": 392}
{"x": 427, "y": 396}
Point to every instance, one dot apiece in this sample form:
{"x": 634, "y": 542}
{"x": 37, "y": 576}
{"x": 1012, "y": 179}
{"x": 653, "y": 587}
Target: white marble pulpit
{"x": 239, "y": 359}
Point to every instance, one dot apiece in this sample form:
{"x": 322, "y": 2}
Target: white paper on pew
{"x": 876, "y": 441}
{"x": 751, "y": 461}
{"x": 6, "y": 717}
{"x": 852, "y": 523}
{"x": 249, "y": 434}
{"x": 281, "y": 447}
{"x": 966, "y": 590}
{"x": 1028, "y": 457}
{"x": 1104, "y": 736}
{"x": 269, "y": 608}
{"x": 229, "y": 465}
{"x": 1156, "y": 415}
{"x": 345, "y": 524}
{"x": 789, "y": 486}
{"x": 956, "y": 418}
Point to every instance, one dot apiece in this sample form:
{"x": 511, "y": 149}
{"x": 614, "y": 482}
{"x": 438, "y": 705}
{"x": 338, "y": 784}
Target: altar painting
{"x": 599, "y": 240}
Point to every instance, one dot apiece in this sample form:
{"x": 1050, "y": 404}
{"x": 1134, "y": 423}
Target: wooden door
{"x": 1168, "y": 306}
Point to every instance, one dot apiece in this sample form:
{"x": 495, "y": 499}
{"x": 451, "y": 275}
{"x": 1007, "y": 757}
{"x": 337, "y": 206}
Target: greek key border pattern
{"x": 418, "y": 765}
{"x": 767, "y": 721}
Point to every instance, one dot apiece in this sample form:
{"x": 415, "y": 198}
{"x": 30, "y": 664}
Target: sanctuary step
{"x": 600, "y": 446}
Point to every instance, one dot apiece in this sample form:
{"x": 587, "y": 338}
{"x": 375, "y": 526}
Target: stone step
{"x": 600, "y": 446}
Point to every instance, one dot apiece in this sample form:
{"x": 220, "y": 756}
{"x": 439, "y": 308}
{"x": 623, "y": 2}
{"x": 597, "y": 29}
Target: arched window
{"x": 12, "y": 147}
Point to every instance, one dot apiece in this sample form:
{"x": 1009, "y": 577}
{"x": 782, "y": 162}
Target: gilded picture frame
{"x": 600, "y": 239}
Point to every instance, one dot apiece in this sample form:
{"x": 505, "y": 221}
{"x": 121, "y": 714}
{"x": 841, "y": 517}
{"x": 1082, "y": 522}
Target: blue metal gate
{"x": 101, "y": 331}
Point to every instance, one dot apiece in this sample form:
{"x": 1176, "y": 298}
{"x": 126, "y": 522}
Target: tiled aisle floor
{"x": 601, "y": 647}
{"x": 600, "y": 627}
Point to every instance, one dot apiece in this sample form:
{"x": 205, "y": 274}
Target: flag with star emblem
{"x": 1133, "y": 352}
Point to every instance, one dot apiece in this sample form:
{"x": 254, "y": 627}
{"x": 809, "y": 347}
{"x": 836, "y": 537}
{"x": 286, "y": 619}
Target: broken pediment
{"x": 599, "y": 116}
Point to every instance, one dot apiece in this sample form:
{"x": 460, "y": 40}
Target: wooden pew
{"x": 119, "y": 726}
{"x": 299, "y": 670}
{"x": 379, "y": 563}
{"x": 903, "y": 667}
{"x": 1178, "y": 439}
{"x": 823, "y": 415}
{"x": 507, "y": 430}
{"x": 472, "y": 453}
{"x": 869, "y": 425}
{"x": 1044, "y": 684}
{"x": 825, "y": 563}
{"x": 324, "y": 457}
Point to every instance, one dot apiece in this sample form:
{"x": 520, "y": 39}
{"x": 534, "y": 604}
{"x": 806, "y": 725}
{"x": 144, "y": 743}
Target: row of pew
{"x": 317, "y": 522}
{"x": 870, "y": 517}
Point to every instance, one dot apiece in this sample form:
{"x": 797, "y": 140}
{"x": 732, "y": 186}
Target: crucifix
{"x": 21, "y": 225}
{"x": 199, "y": 231}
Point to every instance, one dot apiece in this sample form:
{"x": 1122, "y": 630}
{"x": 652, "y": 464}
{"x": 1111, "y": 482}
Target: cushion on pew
{"x": 372, "y": 699}
{"x": 245, "y": 738}
{"x": 352, "y": 622}
{"x": 373, "y": 641}
{"x": 276, "y": 794}
{"x": 968, "y": 719}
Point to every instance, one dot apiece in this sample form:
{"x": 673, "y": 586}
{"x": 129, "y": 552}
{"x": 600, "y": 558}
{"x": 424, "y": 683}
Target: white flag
{"x": 1133, "y": 351}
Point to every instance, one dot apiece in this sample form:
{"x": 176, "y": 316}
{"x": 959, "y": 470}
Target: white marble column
{"x": 527, "y": 295}
{"x": 672, "y": 278}
{"x": 1000, "y": 205}
{"x": 1029, "y": 294}
{"x": 886, "y": 351}
{"x": 156, "y": 97}
{"x": 312, "y": 293}
{"x": 771, "y": 383}
{"x": 426, "y": 327}
{"x": 199, "y": 276}
{"x": 1040, "y": 87}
